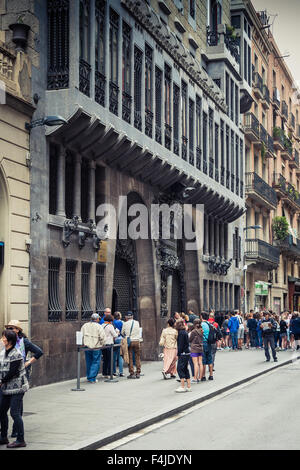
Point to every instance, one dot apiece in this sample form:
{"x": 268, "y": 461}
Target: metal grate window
{"x": 100, "y": 79}
{"x": 138, "y": 62}
{"x": 126, "y": 75}
{"x": 184, "y": 122}
{"x": 113, "y": 52}
{"x": 168, "y": 128}
{"x": 198, "y": 132}
{"x": 86, "y": 310}
{"x": 84, "y": 41}
{"x": 71, "y": 307}
{"x": 148, "y": 91}
{"x": 191, "y": 131}
{"x": 100, "y": 270}
{"x": 176, "y": 98}
{"x": 58, "y": 44}
{"x": 54, "y": 307}
{"x": 158, "y": 104}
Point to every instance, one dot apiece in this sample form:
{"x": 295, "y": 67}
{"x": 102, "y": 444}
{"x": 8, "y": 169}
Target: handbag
{"x": 128, "y": 337}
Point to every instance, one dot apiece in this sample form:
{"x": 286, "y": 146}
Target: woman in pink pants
{"x": 168, "y": 340}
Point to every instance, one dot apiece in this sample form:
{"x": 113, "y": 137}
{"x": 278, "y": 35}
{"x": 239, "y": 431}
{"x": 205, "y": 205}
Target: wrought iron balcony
{"x": 292, "y": 121}
{"x": 286, "y": 191}
{"x": 258, "y": 85}
{"x": 289, "y": 246}
{"x": 262, "y": 252}
{"x": 287, "y": 152}
{"x": 100, "y": 82}
{"x": 260, "y": 191}
{"x": 284, "y": 110}
{"x": 126, "y": 107}
{"x": 278, "y": 135}
{"x": 270, "y": 147}
{"x": 84, "y": 77}
{"x": 251, "y": 127}
{"x": 148, "y": 123}
{"x": 266, "y": 97}
{"x": 232, "y": 44}
{"x": 263, "y": 135}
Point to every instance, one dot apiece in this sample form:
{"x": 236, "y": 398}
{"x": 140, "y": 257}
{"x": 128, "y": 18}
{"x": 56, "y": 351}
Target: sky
{"x": 286, "y": 29}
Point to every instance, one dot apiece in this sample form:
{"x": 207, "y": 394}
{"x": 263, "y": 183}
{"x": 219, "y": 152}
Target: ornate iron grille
{"x": 148, "y": 91}
{"x": 113, "y": 98}
{"x": 100, "y": 79}
{"x": 148, "y": 123}
{"x": 176, "y": 98}
{"x": 114, "y": 71}
{"x": 158, "y": 103}
{"x": 54, "y": 307}
{"x": 84, "y": 77}
{"x": 138, "y": 60}
{"x": 58, "y": 44}
{"x": 71, "y": 307}
{"x": 86, "y": 310}
{"x": 100, "y": 307}
{"x": 168, "y": 128}
{"x": 126, "y": 76}
{"x": 126, "y": 107}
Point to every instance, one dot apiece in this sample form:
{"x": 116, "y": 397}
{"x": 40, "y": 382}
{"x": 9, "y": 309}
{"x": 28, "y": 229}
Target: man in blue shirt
{"x": 207, "y": 358}
{"x": 233, "y": 326}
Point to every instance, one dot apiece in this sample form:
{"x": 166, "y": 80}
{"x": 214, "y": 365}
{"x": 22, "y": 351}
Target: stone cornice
{"x": 168, "y": 41}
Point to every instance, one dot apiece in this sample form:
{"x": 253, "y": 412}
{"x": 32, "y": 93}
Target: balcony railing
{"x": 278, "y": 135}
{"x": 252, "y": 123}
{"x": 270, "y": 144}
{"x": 266, "y": 94}
{"x": 262, "y": 251}
{"x": 289, "y": 245}
{"x": 287, "y": 190}
{"x": 254, "y": 183}
{"x": 284, "y": 109}
{"x": 214, "y": 39}
{"x": 263, "y": 135}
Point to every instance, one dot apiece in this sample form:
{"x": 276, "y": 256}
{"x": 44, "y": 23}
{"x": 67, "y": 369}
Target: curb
{"x": 155, "y": 418}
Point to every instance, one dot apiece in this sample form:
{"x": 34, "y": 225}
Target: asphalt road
{"x": 262, "y": 415}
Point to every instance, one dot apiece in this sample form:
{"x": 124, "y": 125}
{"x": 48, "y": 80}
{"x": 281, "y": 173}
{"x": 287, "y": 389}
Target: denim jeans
{"x": 118, "y": 357}
{"x": 234, "y": 339}
{"x": 15, "y": 404}
{"x": 269, "y": 341}
{"x": 259, "y": 339}
{"x": 92, "y": 359}
{"x": 253, "y": 338}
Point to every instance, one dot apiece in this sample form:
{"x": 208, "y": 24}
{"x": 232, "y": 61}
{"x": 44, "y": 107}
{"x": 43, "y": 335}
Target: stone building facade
{"x": 152, "y": 94}
{"x": 16, "y": 109}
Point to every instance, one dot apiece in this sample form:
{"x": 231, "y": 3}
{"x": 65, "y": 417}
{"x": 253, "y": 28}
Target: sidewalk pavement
{"x": 57, "y": 418}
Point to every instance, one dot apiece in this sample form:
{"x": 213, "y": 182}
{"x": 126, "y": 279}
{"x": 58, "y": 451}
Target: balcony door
{"x": 215, "y": 14}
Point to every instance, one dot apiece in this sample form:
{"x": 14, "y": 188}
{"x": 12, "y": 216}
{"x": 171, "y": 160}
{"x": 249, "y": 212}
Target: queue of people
{"x": 190, "y": 341}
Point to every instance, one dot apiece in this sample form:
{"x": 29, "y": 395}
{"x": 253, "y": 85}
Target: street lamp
{"x": 47, "y": 121}
{"x": 251, "y": 227}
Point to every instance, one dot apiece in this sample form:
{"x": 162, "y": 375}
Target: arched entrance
{"x": 5, "y": 239}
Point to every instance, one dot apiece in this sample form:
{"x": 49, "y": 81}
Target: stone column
{"x": 77, "y": 187}
{"x": 92, "y": 190}
{"x": 61, "y": 182}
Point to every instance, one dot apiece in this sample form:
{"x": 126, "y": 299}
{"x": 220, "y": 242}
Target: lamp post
{"x": 245, "y": 267}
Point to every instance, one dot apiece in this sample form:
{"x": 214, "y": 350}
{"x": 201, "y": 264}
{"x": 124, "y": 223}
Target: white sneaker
{"x": 180, "y": 390}
{"x": 188, "y": 389}
{"x": 193, "y": 381}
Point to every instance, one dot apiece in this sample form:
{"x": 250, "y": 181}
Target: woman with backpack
{"x": 196, "y": 345}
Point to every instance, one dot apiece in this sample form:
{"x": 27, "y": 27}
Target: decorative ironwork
{"x": 125, "y": 250}
{"x": 58, "y": 44}
{"x": 148, "y": 123}
{"x": 262, "y": 251}
{"x": 256, "y": 183}
{"x": 158, "y": 103}
{"x": 113, "y": 98}
{"x": 71, "y": 307}
{"x": 168, "y": 136}
{"x": 148, "y": 91}
{"x": 83, "y": 231}
{"x": 54, "y": 307}
{"x": 86, "y": 309}
{"x": 176, "y": 99}
{"x": 126, "y": 107}
{"x": 218, "y": 266}
{"x": 191, "y": 157}
{"x": 84, "y": 77}
{"x": 100, "y": 82}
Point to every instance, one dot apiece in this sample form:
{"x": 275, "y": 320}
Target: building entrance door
{"x": 122, "y": 290}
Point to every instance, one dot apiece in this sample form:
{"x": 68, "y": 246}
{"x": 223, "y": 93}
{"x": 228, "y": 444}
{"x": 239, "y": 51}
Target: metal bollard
{"x": 111, "y": 379}
{"x": 78, "y": 389}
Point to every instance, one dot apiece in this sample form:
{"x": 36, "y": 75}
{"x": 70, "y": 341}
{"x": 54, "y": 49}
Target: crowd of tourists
{"x": 190, "y": 341}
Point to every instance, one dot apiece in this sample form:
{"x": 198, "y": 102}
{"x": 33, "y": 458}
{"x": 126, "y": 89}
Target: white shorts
{"x": 240, "y": 333}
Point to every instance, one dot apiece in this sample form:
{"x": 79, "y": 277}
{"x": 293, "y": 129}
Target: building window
{"x": 168, "y": 128}
{"x": 113, "y": 56}
{"x": 237, "y": 170}
{"x": 71, "y": 308}
{"x": 86, "y": 310}
{"x": 237, "y": 105}
{"x": 193, "y": 8}
{"x": 232, "y": 160}
{"x": 158, "y": 104}
{"x": 198, "y": 132}
{"x": 176, "y": 99}
{"x": 222, "y": 153}
{"x": 204, "y": 139}
{"x": 184, "y": 117}
{"x": 138, "y": 62}
{"x": 148, "y": 90}
{"x": 126, "y": 73}
{"x": 231, "y": 100}
{"x": 217, "y": 152}
{"x": 58, "y": 44}
{"x": 227, "y": 90}
{"x": 100, "y": 79}
{"x": 84, "y": 41}
{"x": 54, "y": 307}
{"x": 211, "y": 143}
{"x": 227, "y": 158}
{"x": 191, "y": 131}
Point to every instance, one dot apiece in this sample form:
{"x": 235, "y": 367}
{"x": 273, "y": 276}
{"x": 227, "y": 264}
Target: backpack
{"x": 213, "y": 334}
